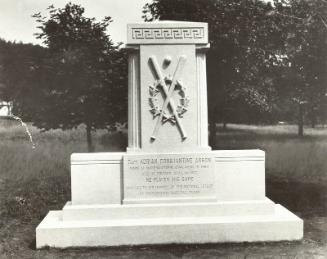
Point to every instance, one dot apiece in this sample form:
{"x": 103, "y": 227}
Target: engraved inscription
{"x": 168, "y": 33}
{"x": 168, "y": 176}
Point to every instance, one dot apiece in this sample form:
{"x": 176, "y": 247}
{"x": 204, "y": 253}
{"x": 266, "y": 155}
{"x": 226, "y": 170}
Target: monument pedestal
{"x": 169, "y": 187}
{"x": 98, "y": 216}
{"x": 56, "y": 232}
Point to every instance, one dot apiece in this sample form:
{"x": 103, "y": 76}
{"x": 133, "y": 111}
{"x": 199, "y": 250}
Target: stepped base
{"x": 167, "y": 210}
{"x": 280, "y": 225}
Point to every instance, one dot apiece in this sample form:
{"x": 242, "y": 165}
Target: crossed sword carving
{"x": 169, "y": 93}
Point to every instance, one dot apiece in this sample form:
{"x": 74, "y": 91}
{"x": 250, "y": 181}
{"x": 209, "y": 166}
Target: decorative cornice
{"x": 167, "y": 33}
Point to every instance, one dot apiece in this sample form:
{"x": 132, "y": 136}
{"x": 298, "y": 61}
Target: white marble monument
{"x": 169, "y": 186}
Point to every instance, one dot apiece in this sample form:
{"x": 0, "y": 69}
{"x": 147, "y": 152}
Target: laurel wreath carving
{"x": 156, "y": 110}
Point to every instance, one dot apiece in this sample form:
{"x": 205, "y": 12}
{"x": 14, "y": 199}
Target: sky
{"x": 17, "y": 24}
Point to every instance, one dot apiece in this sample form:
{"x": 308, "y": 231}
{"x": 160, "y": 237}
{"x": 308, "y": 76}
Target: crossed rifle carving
{"x": 168, "y": 91}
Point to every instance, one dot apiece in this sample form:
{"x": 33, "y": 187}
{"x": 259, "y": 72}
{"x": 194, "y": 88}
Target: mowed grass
{"x": 288, "y": 156}
{"x": 32, "y": 179}
{"x": 36, "y": 180}
{"x": 51, "y": 155}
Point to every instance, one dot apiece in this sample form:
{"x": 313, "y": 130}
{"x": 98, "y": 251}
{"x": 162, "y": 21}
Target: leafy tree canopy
{"x": 85, "y": 73}
{"x": 257, "y": 48}
{"x": 305, "y": 78}
{"x": 244, "y": 43}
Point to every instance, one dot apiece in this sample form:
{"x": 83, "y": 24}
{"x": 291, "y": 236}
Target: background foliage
{"x": 264, "y": 57}
{"x": 80, "y": 77}
{"x": 267, "y": 63}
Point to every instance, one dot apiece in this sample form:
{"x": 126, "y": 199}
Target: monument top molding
{"x": 167, "y": 32}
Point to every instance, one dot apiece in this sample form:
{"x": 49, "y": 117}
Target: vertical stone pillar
{"x": 133, "y": 101}
{"x": 202, "y": 98}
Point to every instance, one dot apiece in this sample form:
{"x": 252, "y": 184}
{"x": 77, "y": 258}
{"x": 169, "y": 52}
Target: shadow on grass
{"x": 114, "y": 142}
{"x": 216, "y": 250}
{"x": 304, "y": 199}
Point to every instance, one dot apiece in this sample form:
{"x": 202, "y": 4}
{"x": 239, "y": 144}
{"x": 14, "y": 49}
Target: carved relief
{"x": 167, "y": 33}
{"x": 168, "y": 86}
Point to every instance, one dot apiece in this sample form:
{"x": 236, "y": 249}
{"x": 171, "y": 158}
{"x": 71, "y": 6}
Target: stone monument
{"x": 169, "y": 186}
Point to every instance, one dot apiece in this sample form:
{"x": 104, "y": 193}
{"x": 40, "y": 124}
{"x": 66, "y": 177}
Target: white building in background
{"x": 6, "y": 108}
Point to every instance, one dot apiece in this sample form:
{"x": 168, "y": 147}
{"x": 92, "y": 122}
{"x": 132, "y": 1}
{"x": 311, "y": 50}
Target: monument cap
{"x": 167, "y": 32}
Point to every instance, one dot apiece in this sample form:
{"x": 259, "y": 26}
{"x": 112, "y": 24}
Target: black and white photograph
{"x": 163, "y": 129}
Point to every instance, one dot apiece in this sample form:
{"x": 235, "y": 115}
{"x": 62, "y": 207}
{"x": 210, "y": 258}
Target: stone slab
{"x": 168, "y": 177}
{"x": 164, "y": 210}
{"x": 97, "y": 177}
{"x": 240, "y": 174}
{"x": 165, "y": 32}
{"x": 168, "y": 137}
{"x": 282, "y": 225}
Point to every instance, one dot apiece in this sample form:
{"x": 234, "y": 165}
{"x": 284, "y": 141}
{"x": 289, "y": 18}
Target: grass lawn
{"x": 33, "y": 181}
{"x": 287, "y": 156}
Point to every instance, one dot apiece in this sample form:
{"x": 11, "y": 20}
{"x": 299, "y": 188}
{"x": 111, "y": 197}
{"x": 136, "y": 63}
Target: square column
{"x": 173, "y": 54}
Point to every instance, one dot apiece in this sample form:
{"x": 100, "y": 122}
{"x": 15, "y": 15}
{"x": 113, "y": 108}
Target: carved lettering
{"x": 168, "y": 176}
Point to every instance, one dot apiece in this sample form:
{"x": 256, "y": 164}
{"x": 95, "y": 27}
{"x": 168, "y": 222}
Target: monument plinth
{"x": 169, "y": 186}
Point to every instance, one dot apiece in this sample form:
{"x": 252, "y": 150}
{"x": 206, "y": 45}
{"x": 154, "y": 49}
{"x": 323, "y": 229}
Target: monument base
{"x": 207, "y": 197}
{"x": 277, "y": 226}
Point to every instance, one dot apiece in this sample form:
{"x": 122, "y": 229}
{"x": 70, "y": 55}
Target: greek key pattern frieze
{"x": 168, "y": 33}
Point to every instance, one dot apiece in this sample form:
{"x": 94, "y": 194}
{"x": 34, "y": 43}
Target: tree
{"x": 244, "y": 45}
{"x": 262, "y": 55}
{"x": 84, "y": 72}
{"x": 305, "y": 77}
{"x": 19, "y": 65}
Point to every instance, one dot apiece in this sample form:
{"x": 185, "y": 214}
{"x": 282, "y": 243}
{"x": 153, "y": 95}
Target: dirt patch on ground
{"x": 17, "y": 226}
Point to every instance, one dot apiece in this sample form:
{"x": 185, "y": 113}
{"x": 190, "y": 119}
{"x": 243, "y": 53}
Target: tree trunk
{"x": 300, "y": 121}
{"x": 90, "y": 146}
{"x": 313, "y": 118}
{"x": 225, "y": 116}
{"x": 212, "y": 132}
{"x": 224, "y": 125}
